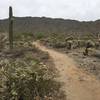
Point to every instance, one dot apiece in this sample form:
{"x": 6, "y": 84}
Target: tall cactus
{"x": 10, "y": 27}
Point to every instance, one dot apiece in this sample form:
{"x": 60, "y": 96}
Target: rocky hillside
{"x": 50, "y": 25}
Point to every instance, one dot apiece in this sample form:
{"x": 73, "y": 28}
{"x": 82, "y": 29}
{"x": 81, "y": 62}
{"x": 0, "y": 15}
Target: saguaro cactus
{"x": 10, "y": 28}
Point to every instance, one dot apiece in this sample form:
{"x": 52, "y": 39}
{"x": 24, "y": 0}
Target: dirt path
{"x": 77, "y": 84}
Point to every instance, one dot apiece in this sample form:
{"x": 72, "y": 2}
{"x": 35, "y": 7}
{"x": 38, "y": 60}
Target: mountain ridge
{"x": 51, "y": 25}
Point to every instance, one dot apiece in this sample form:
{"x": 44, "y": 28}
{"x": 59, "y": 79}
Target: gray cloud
{"x": 68, "y": 9}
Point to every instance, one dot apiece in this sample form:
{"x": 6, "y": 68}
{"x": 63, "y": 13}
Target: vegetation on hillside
{"x": 49, "y": 26}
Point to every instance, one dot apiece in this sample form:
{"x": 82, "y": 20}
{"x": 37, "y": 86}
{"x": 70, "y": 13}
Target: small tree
{"x": 10, "y": 28}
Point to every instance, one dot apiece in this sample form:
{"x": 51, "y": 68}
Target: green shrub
{"x": 39, "y": 35}
{"x": 23, "y": 37}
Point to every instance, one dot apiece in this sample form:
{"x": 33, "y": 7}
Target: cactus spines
{"x": 10, "y": 28}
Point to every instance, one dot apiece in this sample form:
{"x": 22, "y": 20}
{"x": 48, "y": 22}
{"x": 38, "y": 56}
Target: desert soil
{"x": 77, "y": 84}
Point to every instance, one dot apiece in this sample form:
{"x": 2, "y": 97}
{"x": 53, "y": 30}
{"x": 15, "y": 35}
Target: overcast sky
{"x": 68, "y": 9}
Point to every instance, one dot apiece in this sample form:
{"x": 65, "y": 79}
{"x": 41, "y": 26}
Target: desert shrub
{"x": 24, "y": 81}
{"x": 82, "y": 43}
{"x": 3, "y": 40}
{"x": 27, "y": 78}
{"x": 23, "y": 36}
{"x": 39, "y": 35}
{"x": 59, "y": 45}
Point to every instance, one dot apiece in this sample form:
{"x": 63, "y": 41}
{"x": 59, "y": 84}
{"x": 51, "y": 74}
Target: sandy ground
{"x": 75, "y": 82}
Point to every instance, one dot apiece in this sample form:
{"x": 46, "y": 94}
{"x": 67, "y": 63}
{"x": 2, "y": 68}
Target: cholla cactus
{"x": 68, "y": 38}
{"x": 69, "y": 44}
{"x": 89, "y": 44}
{"x": 97, "y": 45}
{"x": 11, "y": 27}
{"x": 78, "y": 43}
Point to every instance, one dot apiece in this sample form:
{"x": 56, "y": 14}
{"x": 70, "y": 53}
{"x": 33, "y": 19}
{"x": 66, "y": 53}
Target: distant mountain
{"x": 50, "y": 25}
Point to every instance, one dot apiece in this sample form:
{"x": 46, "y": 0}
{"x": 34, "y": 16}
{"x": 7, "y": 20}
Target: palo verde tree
{"x": 10, "y": 28}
